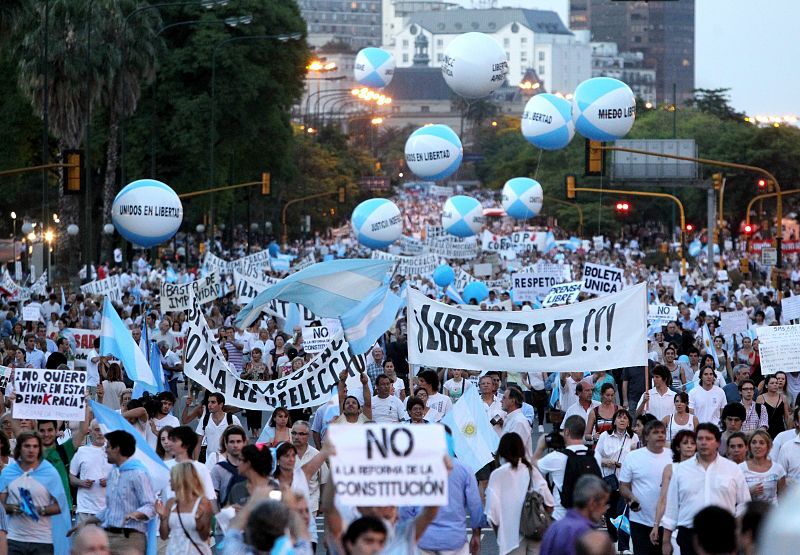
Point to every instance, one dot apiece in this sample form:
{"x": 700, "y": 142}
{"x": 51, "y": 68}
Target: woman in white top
{"x": 398, "y": 385}
{"x": 186, "y": 518}
{"x": 682, "y": 419}
{"x": 766, "y": 479}
{"x": 684, "y": 446}
{"x": 612, "y": 448}
{"x": 430, "y": 414}
{"x": 505, "y": 494}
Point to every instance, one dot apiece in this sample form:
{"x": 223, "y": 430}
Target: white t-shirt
{"x": 92, "y": 373}
{"x": 205, "y": 478}
{"x": 90, "y": 463}
{"x": 707, "y": 405}
{"x": 398, "y": 387}
{"x": 554, "y": 464}
{"x": 456, "y": 389}
{"x": 168, "y": 420}
{"x": 213, "y": 431}
{"x": 441, "y": 403}
{"x": 644, "y": 469}
{"x": 23, "y": 528}
{"x": 390, "y": 409}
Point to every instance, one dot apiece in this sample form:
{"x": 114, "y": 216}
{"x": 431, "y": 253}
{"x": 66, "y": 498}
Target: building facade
{"x": 628, "y": 67}
{"x": 357, "y": 23}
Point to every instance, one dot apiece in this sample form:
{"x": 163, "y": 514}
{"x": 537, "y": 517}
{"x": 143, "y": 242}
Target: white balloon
{"x": 433, "y": 152}
{"x": 474, "y": 65}
{"x": 374, "y": 67}
{"x": 604, "y": 109}
{"x": 462, "y": 216}
{"x": 147, "y": 212}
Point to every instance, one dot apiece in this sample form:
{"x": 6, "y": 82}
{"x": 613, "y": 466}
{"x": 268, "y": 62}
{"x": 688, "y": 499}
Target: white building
{"x": 628, "y": 67}
{"x": 532, "y": 39}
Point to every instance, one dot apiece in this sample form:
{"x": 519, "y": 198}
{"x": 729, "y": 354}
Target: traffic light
{"x": 762, "y": 185}
{"x": 594, "y": 158}
{"x": 717, "y": 181}
{"x": 341, "y": 195}
{"x": 748, "y": 229}
{"x": 569, "y": 180}
{"x": 689, "y": 228}
{"x": 266, "y": 183}
{"x": 72, "y": 176}
{"x": 623, "y": 207}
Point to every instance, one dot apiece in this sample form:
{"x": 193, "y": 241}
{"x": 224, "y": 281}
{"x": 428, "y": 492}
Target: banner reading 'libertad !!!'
{"x": 600, "y": 334}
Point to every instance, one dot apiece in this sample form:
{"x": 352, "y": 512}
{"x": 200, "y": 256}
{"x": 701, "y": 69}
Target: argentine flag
{"x": 116, "y": 339}
{"x": 708, "y": 343}
{"x": 474, "y": 438}
{"x": 364, "y": 324}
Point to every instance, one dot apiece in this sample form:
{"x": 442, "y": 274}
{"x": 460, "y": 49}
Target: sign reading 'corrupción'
{"x": 50, "y": 394}
{"x": 389, "y": 464}
{"x": 600, "y": 334}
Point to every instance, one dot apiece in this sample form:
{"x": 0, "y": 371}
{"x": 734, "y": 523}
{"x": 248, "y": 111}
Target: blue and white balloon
{"x": 604, "y": 109}
{"x": 462, "y": 216}
{"x": 475, "y": 290}
{"x": 443, "y": 276}
{"x": 374, "y": 67}
{"x": 474, "y": 65}
{"x": 434, "y": 152}
{"x": 547, "y": 122}
{"x": 377, "y": 223}
{"x": 522, "y": 198}
{"x": 147, "y": 212}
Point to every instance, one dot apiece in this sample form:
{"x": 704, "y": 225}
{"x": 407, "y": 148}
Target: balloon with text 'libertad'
{"x": 474, "y": 65}
{"x": 433, "y": 152}
{"x": 147, "y": 212}
{"x": 547, "y": 122}
{"x": 604, "y": 109}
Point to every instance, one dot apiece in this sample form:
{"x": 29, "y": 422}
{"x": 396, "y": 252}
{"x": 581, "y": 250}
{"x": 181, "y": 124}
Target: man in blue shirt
{"x": 590, "y": 500}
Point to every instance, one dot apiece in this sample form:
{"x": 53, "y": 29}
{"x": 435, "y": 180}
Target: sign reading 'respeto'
{"x": 389, "y": 464}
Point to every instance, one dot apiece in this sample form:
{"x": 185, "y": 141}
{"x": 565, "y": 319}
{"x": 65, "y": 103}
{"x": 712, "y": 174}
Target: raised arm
{"x": 367, "y": 396}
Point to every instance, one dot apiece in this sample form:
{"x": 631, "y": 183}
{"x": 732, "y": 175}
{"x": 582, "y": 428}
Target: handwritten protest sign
{"x": 104, "y": 287}
{"x": 790, "y": 307}
{"x": 564, "y": 293}
{"x": 779, "y": 348}
{"x": 733, "y": 322}
{"x": 31, "y": 313}
{"x": 601, "y": 280}
{"x": 661, "y": 314}
{"x": 50, "y": 394}
{"x": 177, "y": 297}
{"x": 389, "y": 464}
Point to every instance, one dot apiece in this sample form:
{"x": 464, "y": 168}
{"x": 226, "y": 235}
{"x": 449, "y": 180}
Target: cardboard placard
{"x": 50, "y": 394}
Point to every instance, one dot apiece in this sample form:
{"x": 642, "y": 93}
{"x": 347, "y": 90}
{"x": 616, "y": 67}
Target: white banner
{"x": 411, "y": 246}
{"x": 661, "y": 314}
{"x": 554, "y": 340}
{"x": 253, "y": 265}
{"x": 790, "y": 307}
{"x": 32, "y": 312}
{"x": 482, "y": 270}
{"x": 779, "y": 348}
{"x": 178, "y": 297}
{"x": 733, "y": 322}
{"x": 389, "y": 464}
{"x": 519, "y": 241}
{"x": 104, "y": 287}
{"x": 50, "y": 394}
{"x": 309, "y": 386}
{"x": 440, "y": 190}
{"x": 602, "y": 280}
{"x": 10, "y": 285}
{"x": 409, "y": 266}
{"x": 462, "y": 280}
{"x": 564, "y": 293}
{"x": 451, "y": 247}
{"x": 84, "y": 343}
{"x": 248, "y": 288}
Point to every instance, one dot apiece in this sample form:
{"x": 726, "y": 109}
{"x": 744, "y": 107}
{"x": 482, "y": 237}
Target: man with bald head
{"x": 90, "y": 540}
{"x": 584, "y": 405}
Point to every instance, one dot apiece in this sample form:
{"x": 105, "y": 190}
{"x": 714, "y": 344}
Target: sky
{"x": 748, "y": 46}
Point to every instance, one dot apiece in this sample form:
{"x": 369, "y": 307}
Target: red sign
{"x": 787, "y": 247}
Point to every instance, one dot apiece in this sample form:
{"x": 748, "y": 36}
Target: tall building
{"x": 354, "y": 22}
{"x": 628, "y": 67}
{"x": 663, "y": 31}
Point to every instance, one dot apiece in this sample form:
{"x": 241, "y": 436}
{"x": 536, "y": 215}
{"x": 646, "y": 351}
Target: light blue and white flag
{"x": 63, "y": 299}
{"x": 293, "y": 318}
{"x": 549, "y": 241}
{"x": 708, "y": 343}
{"x": 112, "y": 421}
{"x": 328, "y": 289}
{"x": 555, "y": 395}
{"x": 365, "y": 323}
{"x": 158, "y": 372}
{"x": 474, "y": 438}
{"x": 116, "y": 339}
{"x": 451, "y": 292}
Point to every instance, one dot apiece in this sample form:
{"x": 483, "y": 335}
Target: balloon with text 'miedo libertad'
{"x": 522, "y": 198}
{"x": 374, "y": 67}
{"x": 604, "y": 109}
{"x": 377, "y": 223}
{"x": 475, "y": 290}
{"x": 462, "y": 216}
{"x": 547, "y": 122}
{"x": 443, "y": 275}
{"x": 434, "y": 152}
{"x": 147, "y": 212}
{"x": 474, "y": 65}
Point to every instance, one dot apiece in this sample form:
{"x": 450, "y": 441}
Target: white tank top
{"x": 673, "y": 427}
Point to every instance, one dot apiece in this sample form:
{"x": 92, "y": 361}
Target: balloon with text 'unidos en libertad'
{"x": 377, "y": 223}
{"x": 433, "y": 152}
{"x": 147, "y": 212}
{"x": 475, "y": 290}
{"x": 374, "y": 67}
{"x": 462, "y": 216}
{"x": 443, "y": 276}
{"x": 522, "y": 198}
{"x": 547, "y": 122}
{"x": 474, "y": 65}
{"x": 604, "y": 109}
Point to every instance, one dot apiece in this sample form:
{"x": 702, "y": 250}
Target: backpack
{"x": 578, "y": 464}
{"x": 534, "y": 519}
{"x": 204, "y": 448}
{"x": 235, "y": 479}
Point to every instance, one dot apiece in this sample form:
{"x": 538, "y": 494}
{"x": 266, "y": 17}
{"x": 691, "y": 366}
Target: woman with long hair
{"x": 724, "y": 365}
{"x": 601, "y": 417}
{"x": 505, "y": 495}
{"x": 255, "y": 466}
{"x": 682, "y": 419}
{"x": 113, "y": 386}
{"x": 162, "y": 445}
{"x": 186, "y": 518}
{"x": 279, "y": 428}
{"x": 765, "y": 478}
{"x": 684, "y": 446}
{"x": 18, "y": 335}
{"x": 745, "y": 354}
{"x": 776, "y": 404}
{"x": 612, "y": 448}
{"x": 278, "y": 353}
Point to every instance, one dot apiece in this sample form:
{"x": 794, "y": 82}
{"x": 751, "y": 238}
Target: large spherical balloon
{"x": 374, "y": 67}
{"x": 462, "y": 216}
{"x": 474, "y": 65}
{"x": 604, "y": 109}
{"x": 547, "y": 121}
{"x": 522, "y": 198}
{"x": 475, "y": 290}
{"x": 147, "y": 212}
{"x": 434, "y": 152}
{"x": 377, "y": 223}
{"x": 443, "y": 275}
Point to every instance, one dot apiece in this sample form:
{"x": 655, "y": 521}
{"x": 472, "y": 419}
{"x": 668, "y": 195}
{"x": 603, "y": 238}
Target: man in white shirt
{"x": 385, "y": 406}
{"x": 568, "y": 395}
{"x": 494, "y": 409}
{"x": 182, "y": 443}
{"x": 163, "y": 417}
{"x": 429, "y": 381}
{"x": 640, "y": 485}
{"x": 585, "y": 403}
{"x": 660, "y": 400}
{"x": 88, "y": 471}
{"x": 705, "y": 479}
{"x": 305, "y": 452}
{"x": 214, "y": 421}
{"x": 784, "y": 437}
{"x": 515, "y": 421}
{"x": 707, "y": 400}
{"x": 789, "y": 451}
{"x": 263, "y": 342}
